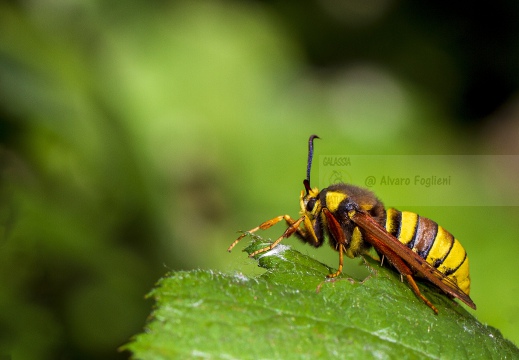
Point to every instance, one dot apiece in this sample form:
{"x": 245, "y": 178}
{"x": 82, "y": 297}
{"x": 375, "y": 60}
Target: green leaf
{"x": 292, "y": 312}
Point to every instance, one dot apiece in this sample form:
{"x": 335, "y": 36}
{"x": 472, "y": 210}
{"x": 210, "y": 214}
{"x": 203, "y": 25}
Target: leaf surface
{"x": 292, "y": 312}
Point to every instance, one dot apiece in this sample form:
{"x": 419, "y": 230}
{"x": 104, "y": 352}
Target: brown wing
{"x": 368, "y": 224}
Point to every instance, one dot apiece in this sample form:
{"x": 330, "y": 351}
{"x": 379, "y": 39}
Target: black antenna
{"x": 309, "y": 164}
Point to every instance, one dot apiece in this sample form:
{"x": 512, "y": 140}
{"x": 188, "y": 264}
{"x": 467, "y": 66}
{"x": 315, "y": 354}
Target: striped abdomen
{"x": 432, "y": 243}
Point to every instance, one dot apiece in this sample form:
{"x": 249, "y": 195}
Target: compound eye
{"x": 310, "y": 205}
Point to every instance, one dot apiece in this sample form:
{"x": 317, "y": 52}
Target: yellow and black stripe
{"x": 432, "y": 243}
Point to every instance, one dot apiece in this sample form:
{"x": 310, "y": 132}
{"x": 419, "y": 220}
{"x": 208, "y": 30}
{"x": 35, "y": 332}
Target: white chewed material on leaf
{"x": 277, "y": 251}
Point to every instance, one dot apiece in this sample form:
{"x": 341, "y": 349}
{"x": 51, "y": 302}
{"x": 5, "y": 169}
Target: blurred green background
{"x": 137, "y": 137}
